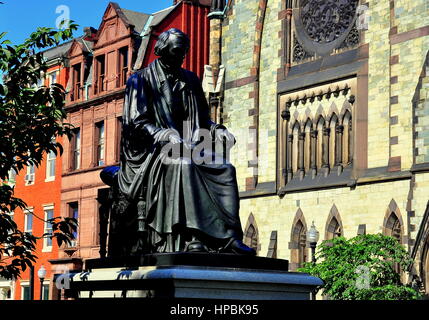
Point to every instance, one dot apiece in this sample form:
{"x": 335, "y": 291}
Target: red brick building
{"x": 100, "y": 64}
{"x": 40, "y": 188}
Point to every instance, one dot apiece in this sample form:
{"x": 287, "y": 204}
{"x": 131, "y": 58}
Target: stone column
{"x": 339, "y": 145}
{"x": 325, "y": 149}
{"x": 350, "y": 142}
{"x": 313, "y": 152}
{"x": 289, "y": 157}
{"x": 301, "y": 139}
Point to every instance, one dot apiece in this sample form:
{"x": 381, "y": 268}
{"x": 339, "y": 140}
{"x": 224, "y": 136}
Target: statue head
{"x": 172, "y": 47}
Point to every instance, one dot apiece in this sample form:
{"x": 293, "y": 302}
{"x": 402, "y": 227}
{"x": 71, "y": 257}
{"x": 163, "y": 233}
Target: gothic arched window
{"x": 251, "y": 237}
{"x": 307, "y": 146}
{"x": 296, "y": 131}
{"x": 347, "y": 139}
{"x": 319, "y": 142}
{"x": 298, "y": 244}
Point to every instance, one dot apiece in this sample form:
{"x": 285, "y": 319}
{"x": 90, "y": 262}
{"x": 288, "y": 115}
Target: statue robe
{"x": 183, "y": 195}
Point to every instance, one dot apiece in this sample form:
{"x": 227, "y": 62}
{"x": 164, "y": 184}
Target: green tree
{"x": 30, "y": 117}
{"x": 362, "y": 268}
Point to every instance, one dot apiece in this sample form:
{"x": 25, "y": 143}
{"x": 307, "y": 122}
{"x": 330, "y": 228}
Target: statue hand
{"x": 222, "y": 134}
{"x": 175, "y": 139}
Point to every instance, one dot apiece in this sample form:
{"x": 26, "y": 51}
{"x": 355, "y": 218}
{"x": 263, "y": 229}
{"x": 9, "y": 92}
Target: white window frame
{"x": 101, "y": 143}
{"x": 76, "y": 146}
{"x": 30, "y": 177}
{"x": 8, "y": 284}
{"x": 11, "y": 182}
{"x": 49, "y": 164}
{"x": 46, "y": 283}
{"x": 27, "y": 212}
{"x": 74, "y": 243}
{"x": 46, "y": 247}
{"x": 24, "y": 284}
{"x": 50, "y": 74}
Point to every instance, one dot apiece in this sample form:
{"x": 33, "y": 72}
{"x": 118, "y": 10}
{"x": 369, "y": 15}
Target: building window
{"x": 52, "y": 78}
{"x": 45, "y": 292}
{"x": 334, "y": 229}
{"x": 251, "y": 237}
{"x": 30, "y": 174}
{"x": 75, "y": 149}
{"x": 334, "y": 226}
{"x": 50, "y": 166}
{"x": 298, "y": 244}
{"x": 308, "y": 159}
{"x": 100, "y": 74}
{"x": 49, "y": 214}
{"x": 393, "y": 227}
{"x": 28, "y": 221}
{"x": 300, "y": 239}
{"x": 123, "y": 66}
{"x": 74, "y": 213}
{"x": 5, "y": 293}
{"x": 25, "y": 292}
{"x": 77, "y": 82}
{"x": 309, "y": 39}
{"x": 99, "y": 152}
{"x": 347, "y": 139}
{"x": 118, "y": 138}
{"x": 11, "y": 178}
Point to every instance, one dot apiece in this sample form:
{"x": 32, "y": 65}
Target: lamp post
{"x": 313, "y": 237}
{"x": 42, "y": 274}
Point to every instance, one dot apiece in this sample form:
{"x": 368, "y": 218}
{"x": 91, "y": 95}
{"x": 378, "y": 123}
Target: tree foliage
{"x": 362, "y": 268}
{"x": 30, "y": 117}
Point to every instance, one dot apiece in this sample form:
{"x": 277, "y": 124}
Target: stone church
{"x": 329, "y": 101}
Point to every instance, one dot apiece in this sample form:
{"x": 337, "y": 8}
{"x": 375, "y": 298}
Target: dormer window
{"x": 100, "y": 74}
{"x": 123, "y": 66}
{"x": 77, "y": 82}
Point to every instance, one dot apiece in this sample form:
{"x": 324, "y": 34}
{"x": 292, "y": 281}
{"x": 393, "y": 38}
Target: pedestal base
{"x": 193, "y": 281}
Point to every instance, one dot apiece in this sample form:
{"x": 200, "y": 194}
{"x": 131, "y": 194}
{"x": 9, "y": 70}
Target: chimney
{"x": 90, "y": 33}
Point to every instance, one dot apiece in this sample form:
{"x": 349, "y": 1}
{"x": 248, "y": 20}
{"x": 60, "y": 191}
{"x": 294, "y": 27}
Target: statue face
{"x": 174, "y": 55}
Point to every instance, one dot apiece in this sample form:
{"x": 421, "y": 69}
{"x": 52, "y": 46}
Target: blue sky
{"x": 21, "y": 17}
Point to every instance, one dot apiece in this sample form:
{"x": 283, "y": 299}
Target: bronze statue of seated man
{"x": 174, "y": 193}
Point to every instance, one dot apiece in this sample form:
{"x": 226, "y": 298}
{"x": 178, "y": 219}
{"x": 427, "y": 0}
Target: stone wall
{"x": 398, "y": 41}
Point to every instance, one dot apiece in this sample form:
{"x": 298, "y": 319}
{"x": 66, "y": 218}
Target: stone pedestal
{"x": 192, "y": 276}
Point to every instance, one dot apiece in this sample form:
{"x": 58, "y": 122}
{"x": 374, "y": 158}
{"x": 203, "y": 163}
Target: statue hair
{"x": 162, "y": 42}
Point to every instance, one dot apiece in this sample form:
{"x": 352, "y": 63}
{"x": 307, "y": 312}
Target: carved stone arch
{"x": 334, "y": 224}
{"x": 346, "y": 115}
{"x": 345, "y": 107}
{"x": 319, "y": 118}
{"x": 347, "y": 137}
{"x": 251, "y": 233}
{"x": 333, "y": 116}
{"x": 308, "y": 145}
{"x": 320, "y": 112}
{"x": 296, "y": 132}
{"x": 320, "y": 125}
{"x": 308, "y": 114}
{"x": 333, "y": 109}
{"x": 393, "y": 224}
{"x": 298, "y": 241}
{"x": 307, "y": 123}
{"x": 292, "y": 122}
{"x": 334, "y": 140}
